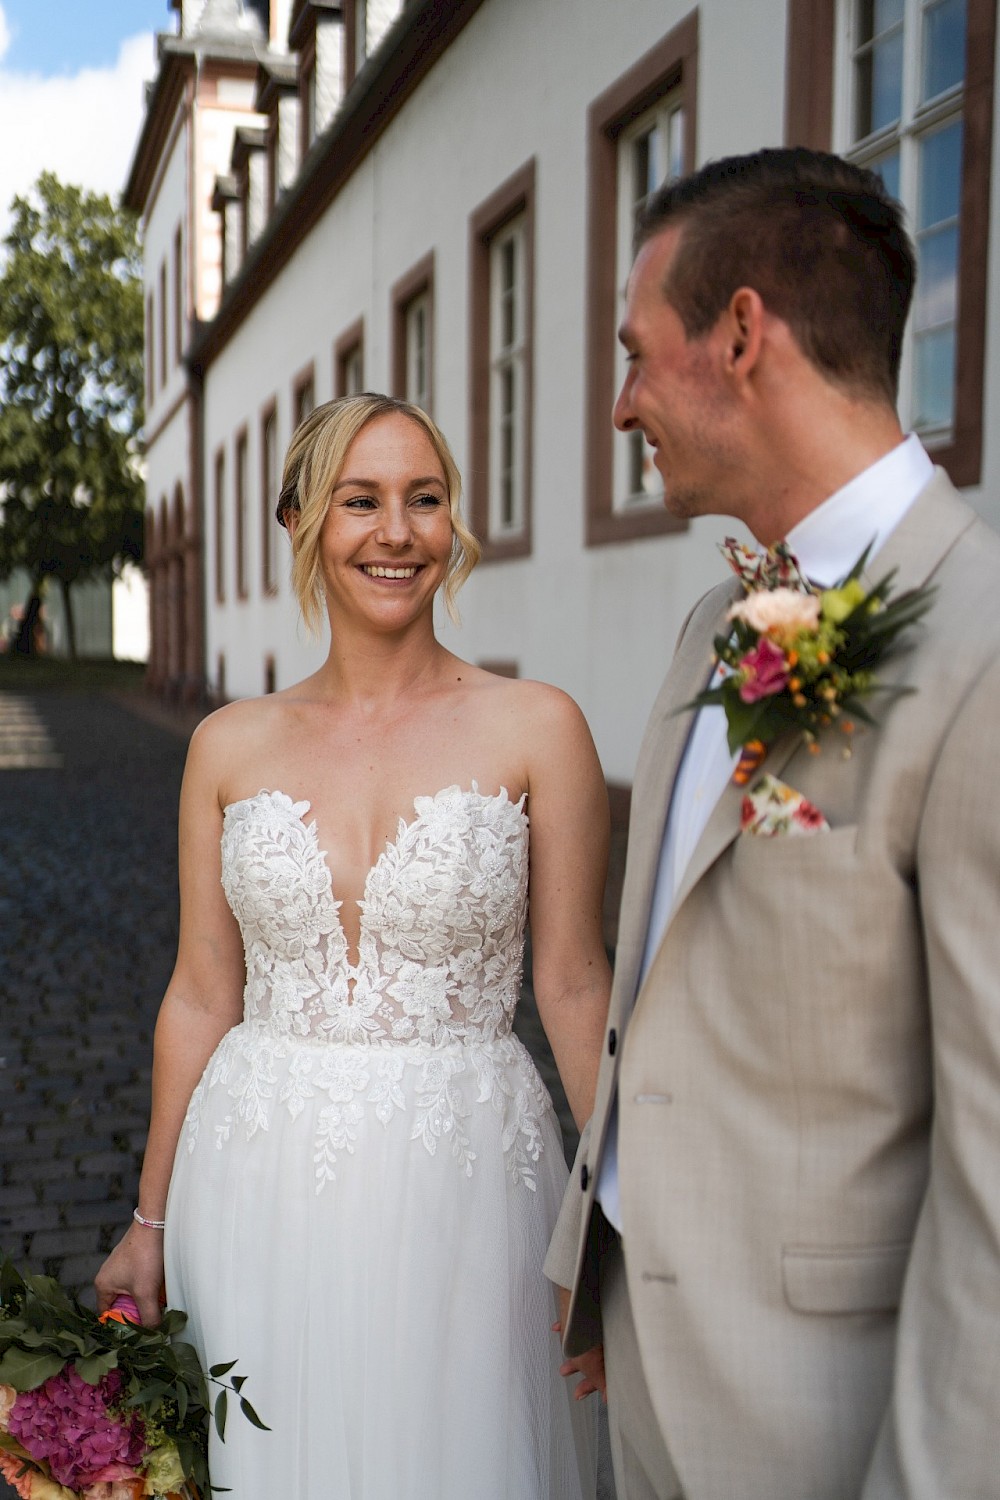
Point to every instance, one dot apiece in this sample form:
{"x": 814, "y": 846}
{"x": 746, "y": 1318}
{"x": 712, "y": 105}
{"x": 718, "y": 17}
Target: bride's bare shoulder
{"x": 536, "y": 712}
{"x": 234, "y": 733}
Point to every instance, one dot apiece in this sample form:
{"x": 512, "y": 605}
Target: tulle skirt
{"x": 394, "y": 1325}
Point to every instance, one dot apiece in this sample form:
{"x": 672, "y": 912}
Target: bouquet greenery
{"x": 101, "y": 1408}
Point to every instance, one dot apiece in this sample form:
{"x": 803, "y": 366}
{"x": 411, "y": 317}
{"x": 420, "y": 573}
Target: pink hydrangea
{"x": 69, "y": 1423}
{"x": 765, "y": 671}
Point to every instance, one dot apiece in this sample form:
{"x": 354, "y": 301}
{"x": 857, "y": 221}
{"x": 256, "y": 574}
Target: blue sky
{"x": 54, "y": 37}
{"x": 72, "y": 89}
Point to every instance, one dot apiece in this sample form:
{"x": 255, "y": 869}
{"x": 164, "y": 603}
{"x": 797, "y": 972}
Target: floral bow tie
{"x": 776, "y": 568}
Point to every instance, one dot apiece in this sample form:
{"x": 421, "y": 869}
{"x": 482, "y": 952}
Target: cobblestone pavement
{"x": 88, "y": 929}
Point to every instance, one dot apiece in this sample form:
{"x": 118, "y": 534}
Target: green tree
{"x": 71, "y": 492}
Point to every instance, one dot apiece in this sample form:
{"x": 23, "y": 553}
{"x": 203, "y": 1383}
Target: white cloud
{"x": 83, "y": 126}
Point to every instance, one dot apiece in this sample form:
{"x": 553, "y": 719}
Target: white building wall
{"x": 166, "y": 211}
{"x": 600, "y": 621}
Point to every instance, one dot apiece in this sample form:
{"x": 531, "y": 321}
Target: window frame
{"x": 241, "y": 506}
{"x": 416, "y": 283}
{"x": 219, "y": 520}
{"x": 164, "y": 324}
{"x": 268, "y": 419}
{"x": 350, "y": 343}
{"x": 178, "y": 294}
{"x": 150, "y": 346}
{"x": 513, "y": 200}
{"x": 304, "y": 381}
{"x": 672, "y": 63}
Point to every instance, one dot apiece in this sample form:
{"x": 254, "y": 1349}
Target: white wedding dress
{"x": 369, "y": 1172}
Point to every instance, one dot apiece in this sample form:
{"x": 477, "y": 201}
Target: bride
{"x": 357, "y": 1163}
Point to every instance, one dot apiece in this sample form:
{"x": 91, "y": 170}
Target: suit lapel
{"x": 923, "y": 538}
{"x": 656, "y": 770}
{"x": 724, "y": 822}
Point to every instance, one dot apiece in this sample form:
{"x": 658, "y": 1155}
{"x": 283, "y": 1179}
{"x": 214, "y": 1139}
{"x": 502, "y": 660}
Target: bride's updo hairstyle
{"x": 313, "y": 464}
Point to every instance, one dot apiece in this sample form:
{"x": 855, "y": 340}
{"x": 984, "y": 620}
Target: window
{"x": 268, "y": 497}
{"x": 242, "y": 528}
{"x": 417, "y": 339}
{"x": 309, "y": 103}
{"x": 303, "y": 394}
{"x": 164, "y": 351}
{"x": 178, "y": 295}
{"x": 501, "y": 267}
{"x": 650, "y": 152}
{"x": 413, "y": 335}
{"x": 349, "y": 361}
{"x": 641, "y": 132}
{"x": 219, "y": 506}
{"x": 906, "y": 87}
{"x": 904, "y": 77}
{"x": 370, "y": 20}
{"x": 150, "y": 350}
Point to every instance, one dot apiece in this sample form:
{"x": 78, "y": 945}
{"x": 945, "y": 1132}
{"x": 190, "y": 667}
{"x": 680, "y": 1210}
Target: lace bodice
{"x": 418, "y": 1030}
{"x": 442, "y": 922}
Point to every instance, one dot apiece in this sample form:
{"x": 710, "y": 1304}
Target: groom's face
{"x": 674, "y": 391}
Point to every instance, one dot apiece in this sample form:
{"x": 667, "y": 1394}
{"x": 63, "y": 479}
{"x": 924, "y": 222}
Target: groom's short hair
{"x": 819, "y": 239}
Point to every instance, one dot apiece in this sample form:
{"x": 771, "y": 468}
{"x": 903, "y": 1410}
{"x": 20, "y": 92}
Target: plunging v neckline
{"x": 403, "y": 827}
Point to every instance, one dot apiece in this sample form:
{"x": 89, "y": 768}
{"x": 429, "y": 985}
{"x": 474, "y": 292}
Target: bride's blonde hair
{"x": 313, "y": 464}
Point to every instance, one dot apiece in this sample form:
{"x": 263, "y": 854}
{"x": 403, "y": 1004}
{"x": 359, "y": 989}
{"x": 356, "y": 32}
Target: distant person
{"x": 785, "y": 1218}
{"x": 356, "y": 1161}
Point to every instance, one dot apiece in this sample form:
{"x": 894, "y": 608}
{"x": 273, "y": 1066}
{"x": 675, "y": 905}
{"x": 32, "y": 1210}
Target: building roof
{"x": 178, "y": 58}
{"x": 229, "y": 19}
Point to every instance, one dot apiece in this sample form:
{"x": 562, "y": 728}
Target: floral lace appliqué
{"x": 420, "y": 1027}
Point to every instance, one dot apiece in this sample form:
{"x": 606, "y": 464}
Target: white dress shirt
{"x": 827, "y": 543}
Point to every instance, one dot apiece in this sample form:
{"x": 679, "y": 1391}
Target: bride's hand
{"x": 589, "y": 1364}
{"x": 134, "y": 1269}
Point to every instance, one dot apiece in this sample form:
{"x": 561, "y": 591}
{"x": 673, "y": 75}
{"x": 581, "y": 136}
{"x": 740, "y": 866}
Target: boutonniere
{"x": 798, "y": 657}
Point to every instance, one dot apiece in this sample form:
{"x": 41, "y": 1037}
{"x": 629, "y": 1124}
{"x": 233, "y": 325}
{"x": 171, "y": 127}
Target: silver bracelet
{"x": 148, "y": 1223}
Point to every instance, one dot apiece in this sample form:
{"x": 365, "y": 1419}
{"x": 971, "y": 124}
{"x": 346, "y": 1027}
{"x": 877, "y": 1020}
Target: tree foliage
{"x": 71, "y": 340}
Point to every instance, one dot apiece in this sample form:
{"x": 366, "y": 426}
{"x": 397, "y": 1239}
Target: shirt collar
{"x": 830, "y": 539}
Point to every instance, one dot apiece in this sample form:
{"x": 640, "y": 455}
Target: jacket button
{"x": 612, "y": 1041}
{"x": 584, "y": 1177}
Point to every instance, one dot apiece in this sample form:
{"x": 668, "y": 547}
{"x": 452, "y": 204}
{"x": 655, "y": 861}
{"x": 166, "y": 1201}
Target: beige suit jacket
{"x": 809, "y": 1083}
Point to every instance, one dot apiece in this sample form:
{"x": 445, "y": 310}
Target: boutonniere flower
{"x": 798, "y": 657}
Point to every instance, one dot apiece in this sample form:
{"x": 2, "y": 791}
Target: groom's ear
{"x": 742, "y": 332}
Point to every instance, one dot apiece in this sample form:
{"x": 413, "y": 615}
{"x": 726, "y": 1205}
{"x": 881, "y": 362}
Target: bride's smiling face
{"x": 387, "y": 534}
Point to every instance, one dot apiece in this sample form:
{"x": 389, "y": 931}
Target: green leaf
{"x": 746, "y": 720}
{"x": 251, "y": 1415}
{"x": 26, "y": 1371}
{"x": 221, "y": 1408}
{"x": 93, "y": 1367}
{"x": 216, "y": 1371}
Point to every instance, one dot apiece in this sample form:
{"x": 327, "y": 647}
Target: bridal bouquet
{"x": 100, "y": 1408}
{"x": 798, "y": 657}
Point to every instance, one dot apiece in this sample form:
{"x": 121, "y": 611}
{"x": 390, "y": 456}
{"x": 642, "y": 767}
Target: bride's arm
{"x": 202, "y": 1001}
{"x": 569, "y": 823}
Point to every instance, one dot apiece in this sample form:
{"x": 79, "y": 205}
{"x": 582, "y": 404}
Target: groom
{"x": 784, "y": 1220}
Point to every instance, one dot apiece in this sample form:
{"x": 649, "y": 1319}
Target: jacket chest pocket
{"x": 830, "y": 1281}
